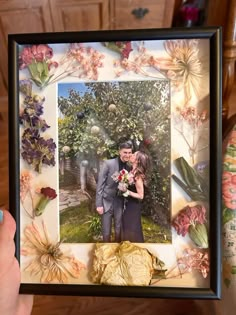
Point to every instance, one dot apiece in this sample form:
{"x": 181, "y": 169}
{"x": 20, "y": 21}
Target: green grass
{"x": 74, "y": 228}
{"x": 154, "y": 233}
{"x": 78, "y": 223}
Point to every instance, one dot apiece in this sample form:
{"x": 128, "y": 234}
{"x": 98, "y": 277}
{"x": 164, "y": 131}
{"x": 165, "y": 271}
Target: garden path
{"x": 71, "y": 197}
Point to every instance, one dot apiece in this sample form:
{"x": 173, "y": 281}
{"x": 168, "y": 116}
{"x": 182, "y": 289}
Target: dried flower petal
{"x": 124, "y": 264}
{"x": 49, "y": 192}
{"x": 189, "y": 216}
{"x": 194, "y": 259}
{"x": 48, "y": 261}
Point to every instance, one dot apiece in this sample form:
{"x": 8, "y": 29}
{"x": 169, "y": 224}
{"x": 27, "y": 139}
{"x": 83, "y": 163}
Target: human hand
{"x": 11, "y": 303}
{"x": 122, "y": 187}
{"x": 100, "y": 210}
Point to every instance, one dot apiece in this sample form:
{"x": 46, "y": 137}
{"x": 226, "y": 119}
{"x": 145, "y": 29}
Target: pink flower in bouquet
{"x": 123, "y": 177}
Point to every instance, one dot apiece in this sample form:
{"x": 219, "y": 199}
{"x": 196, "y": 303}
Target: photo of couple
{"x": 114, "y": 161}
{"x": 125, "y": 207}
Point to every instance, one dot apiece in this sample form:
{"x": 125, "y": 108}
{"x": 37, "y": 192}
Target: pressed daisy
{"x": 183, "y": 66}
{"x": 48, "y": 261}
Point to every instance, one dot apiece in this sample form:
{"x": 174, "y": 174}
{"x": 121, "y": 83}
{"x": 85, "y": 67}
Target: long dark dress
{"x": 131, "y": 220}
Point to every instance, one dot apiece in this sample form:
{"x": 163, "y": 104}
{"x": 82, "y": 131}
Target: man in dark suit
{"x": 109, "y": 204}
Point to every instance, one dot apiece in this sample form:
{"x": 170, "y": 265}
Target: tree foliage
{"x": 95, "y": 117}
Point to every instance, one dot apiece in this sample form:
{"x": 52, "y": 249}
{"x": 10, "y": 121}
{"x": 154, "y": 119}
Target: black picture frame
{"x": 212, "y": 36}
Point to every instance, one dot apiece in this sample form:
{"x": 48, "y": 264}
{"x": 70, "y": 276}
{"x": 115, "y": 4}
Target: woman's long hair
{"x": 143, "y": 163}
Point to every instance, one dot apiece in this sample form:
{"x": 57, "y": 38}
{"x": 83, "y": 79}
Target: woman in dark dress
{"x": 131, "y": 221}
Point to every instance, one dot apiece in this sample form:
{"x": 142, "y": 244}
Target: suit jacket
{"x": 106, "y": 186}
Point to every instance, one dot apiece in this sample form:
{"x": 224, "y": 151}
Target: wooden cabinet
{"x": 74, "y": 15}
{"x": 39, "y": 16}
{"x": 138, "y": 14}
{"x": 20, "y": 17}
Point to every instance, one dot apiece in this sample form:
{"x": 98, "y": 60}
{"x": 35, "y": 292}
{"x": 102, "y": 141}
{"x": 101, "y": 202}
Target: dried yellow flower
{"x": 124, "y": 264}
{"x": 48, "y": 260}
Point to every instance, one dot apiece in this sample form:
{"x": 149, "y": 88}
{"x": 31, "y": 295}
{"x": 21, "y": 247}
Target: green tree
{"x": 95, "y": 119}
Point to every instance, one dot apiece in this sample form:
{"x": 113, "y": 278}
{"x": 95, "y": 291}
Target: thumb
{"x": 7, "y": 245}
{"x": 7, "y": 226}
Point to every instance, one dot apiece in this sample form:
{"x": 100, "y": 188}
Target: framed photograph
{"x": 115, "y": 162}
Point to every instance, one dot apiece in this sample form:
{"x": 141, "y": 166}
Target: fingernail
{"x": 1, "y": 216}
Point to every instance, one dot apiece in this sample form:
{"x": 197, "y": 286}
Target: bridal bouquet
{"x": 124, "y": 179}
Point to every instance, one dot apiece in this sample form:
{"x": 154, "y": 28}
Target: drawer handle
{"x": 140, "y": 12}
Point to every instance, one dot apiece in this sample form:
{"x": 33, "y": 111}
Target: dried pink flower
{"x": 47, "y": 194}
{"x": 189, "y": 216}
{"x": 37, "y": 58}
{"x": 35, "y": 53}
{"x": 25, "y": 183}
{"x": 83, "y": 61}
{"x": 194, "y": 259}
{"x": 190, "y": 115}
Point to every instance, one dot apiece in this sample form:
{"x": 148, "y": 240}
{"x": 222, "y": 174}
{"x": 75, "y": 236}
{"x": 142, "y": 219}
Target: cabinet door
{"x": 20, "y": 16}
{"x": 80, "y": 15}
{"x": 137, "y": 14}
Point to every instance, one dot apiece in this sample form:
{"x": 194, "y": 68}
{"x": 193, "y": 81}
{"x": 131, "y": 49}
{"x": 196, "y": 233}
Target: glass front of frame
{"x": 77, "y": 103}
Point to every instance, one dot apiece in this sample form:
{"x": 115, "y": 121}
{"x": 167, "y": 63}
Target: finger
{"x": 25, "y": 304}
{"x": 7, "y": 245}
{"x": 7, "y": 226}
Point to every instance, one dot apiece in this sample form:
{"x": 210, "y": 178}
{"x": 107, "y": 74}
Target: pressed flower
{"x": 198, "y": 234}
{"x": 190, "y": 121}
{"x": 26, "y": 191}
{"x": 47, "y": 194}
{"x": 37, "y": 58}
{"x": 183, "y": 66}
{"x": 25, "y": 183}
{"x": 30, "y": 115}
{"x": 193, "y": 259}
{"x": 25, "y": 87}
{"x": 37, "y": 150}
{"x": 191, "y": 220}
{"x": 194, "y": 184}
{"x": 48, "y": 261}
{"x": 123, "y": 48}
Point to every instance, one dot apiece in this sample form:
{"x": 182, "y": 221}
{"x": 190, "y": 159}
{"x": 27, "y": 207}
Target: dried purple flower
{"x": 25, "y": 87}
{"x": 30, "y": 115}
{"x": 36, "y": 150}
